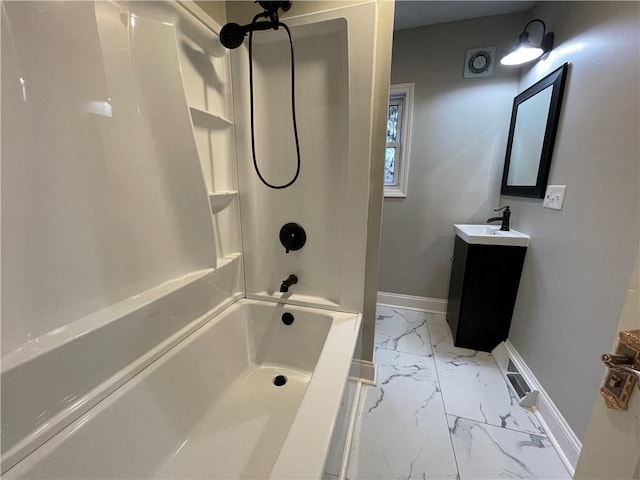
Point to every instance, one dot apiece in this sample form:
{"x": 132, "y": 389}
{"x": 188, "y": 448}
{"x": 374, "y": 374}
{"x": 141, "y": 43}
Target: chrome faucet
{"x": 504, "y": 218}
{"x": 291, "y": 280}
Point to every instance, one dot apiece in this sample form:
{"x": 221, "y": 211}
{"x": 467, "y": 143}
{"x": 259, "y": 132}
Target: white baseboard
{"x": 560, "y": 433}
{"x": 363, "y": 370}
{"x": 433, "y": 305}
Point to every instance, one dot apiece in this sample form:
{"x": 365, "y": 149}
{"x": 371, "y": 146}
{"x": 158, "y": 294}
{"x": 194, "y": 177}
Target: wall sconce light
{"x": 526, "y": 51}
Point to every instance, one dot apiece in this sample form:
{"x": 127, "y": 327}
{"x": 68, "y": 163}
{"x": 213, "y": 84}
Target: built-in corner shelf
{"x": 205, "y": 119}
{"x": 221, "y": 200}
{"x": 227, "y": 259}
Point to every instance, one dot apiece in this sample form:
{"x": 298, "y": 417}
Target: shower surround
{"x": 329, "y": 199}
{"x": 133, "y": 228}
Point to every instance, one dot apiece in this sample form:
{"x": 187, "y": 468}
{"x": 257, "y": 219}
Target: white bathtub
{"x": 209, "y": 408}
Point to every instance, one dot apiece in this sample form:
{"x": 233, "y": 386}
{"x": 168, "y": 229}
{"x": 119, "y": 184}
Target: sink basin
{"x": 491, "y": 235}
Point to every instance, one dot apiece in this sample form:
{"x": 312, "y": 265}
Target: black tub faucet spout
{"x": 291, "y": 280}
{"x": 506, "y": 215}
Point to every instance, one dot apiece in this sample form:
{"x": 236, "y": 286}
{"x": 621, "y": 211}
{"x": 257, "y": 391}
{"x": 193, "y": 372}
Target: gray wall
{"x": 579, "y": 263}
{"x": 457, "y": 152}
{"x": 581, "y": 258}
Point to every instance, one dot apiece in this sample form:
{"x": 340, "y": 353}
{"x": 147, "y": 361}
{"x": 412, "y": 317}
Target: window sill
{"x": 394, "y": 193}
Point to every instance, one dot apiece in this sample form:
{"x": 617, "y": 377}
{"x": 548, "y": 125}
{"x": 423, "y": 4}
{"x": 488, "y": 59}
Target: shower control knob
{"x": 292, "y": 237}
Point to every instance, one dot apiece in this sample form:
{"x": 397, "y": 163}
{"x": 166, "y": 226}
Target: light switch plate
{"x": 554, "y": 197}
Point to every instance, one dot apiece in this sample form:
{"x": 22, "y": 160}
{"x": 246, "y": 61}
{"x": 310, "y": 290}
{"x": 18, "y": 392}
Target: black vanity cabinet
{"x": 482, "y": 293}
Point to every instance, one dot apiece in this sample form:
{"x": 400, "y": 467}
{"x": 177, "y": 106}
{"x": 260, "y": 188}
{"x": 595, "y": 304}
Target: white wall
{"x": 580, "y": 259}
{"x": 217, "y": 9}
{"x": 102, "y": 193}
{"x": 382, "y": 74}
{"x": 108, "y": 246}
{"x": 317, "y": 200}
{"x": 242, "y": 12}
{"x": 457, "y": 151}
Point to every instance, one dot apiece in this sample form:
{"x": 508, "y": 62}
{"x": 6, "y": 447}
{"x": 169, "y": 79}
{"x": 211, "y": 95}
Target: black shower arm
{"x": 273, "y": 22}
{"x": 255, "y": 25}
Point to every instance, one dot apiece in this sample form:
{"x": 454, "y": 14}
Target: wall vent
{"x": 523, "y": 385}
{"x": 526, "y": 396}
{"x": 479, "y": 62}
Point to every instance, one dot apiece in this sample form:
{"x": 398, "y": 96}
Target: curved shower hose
{"x": 293, "y": 109}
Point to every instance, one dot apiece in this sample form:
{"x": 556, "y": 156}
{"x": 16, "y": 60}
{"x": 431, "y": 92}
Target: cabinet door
{"x": 491, "y": 279}
{"x": 456, "y": 283}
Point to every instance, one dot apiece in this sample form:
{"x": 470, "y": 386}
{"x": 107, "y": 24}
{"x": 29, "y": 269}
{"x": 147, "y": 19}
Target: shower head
{"x": 232, "y": 35}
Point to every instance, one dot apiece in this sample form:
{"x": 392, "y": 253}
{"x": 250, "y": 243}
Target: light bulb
{"x": 522, "y": 55}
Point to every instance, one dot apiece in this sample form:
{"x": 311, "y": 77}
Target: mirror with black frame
{"x": 534, "y": 122}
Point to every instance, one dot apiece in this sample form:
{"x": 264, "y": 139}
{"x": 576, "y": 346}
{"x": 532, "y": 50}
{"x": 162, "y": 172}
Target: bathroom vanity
{"x": 485, "y": 275}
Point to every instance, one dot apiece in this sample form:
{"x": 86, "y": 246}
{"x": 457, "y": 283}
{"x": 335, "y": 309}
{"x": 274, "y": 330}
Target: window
{"x": 396, "y": 161}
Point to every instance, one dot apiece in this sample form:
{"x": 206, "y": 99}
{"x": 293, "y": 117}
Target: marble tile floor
{"x": 439, "y": 411}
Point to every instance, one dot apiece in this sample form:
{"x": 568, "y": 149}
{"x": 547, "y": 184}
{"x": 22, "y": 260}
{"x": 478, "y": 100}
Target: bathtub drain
{"x": 279, "y": 380}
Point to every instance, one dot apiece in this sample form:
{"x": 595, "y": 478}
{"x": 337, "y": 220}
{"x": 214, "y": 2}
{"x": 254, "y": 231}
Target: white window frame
{"x": 401, "y": 91}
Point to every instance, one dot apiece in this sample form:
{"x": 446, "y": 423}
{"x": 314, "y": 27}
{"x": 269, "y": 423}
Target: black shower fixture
{"x": 272, "y": 7}
{"x": 232, "y": 34}
{"x": 292, "y": 237}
